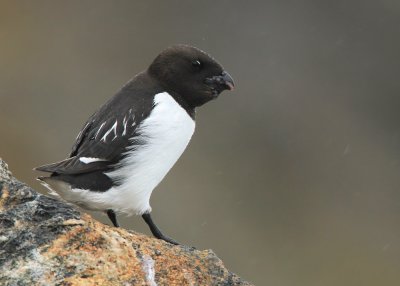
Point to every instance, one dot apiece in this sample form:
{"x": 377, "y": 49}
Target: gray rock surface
{"x": 44, "y": 241}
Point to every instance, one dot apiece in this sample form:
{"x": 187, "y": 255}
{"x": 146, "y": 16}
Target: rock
{"x": 44, "y": 241}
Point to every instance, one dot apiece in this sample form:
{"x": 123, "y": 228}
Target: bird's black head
{"x": 191, "y": 73}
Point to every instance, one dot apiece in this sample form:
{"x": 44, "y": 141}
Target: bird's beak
{"x": 228, "y": 80}
{"x": 221, "y": 82}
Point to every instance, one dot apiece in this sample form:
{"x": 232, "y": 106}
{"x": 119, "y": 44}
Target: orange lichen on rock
{"x": 44, "y": 241}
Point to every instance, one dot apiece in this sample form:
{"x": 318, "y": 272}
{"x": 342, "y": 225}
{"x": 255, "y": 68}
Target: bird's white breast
{"x": 165, "y": 135}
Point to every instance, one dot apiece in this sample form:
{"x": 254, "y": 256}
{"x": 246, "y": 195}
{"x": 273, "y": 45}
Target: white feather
{"x": 98, "y": 131}
{"x": 166, "y": 133}
{"x": 114, "y": 127}
{"x": 125, "y": 122}
{"x": 87, "y": 160}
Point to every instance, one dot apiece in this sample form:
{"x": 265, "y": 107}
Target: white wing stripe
{"x": 87, "y": 160}
{"x": 98, "y": 131}
{"x": 125, "y": 123}
{"x": 114, "y": 127}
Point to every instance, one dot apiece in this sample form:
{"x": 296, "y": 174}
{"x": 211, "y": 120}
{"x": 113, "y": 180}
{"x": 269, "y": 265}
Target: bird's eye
{"x": 196, "y": 63}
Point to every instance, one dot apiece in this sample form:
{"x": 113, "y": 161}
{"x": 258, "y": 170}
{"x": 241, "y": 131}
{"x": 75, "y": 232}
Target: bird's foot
{"x": 113, "y": 217}
{"x": 168, "y": 239}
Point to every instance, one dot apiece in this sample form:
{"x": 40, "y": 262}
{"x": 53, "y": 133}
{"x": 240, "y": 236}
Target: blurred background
{"x": 292, "y": 179}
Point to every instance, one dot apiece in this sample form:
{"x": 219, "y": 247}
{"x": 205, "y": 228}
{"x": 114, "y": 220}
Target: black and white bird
{"x": 127, "y": 147}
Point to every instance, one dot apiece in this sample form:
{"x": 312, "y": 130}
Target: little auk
{"x": 131, "y": 142}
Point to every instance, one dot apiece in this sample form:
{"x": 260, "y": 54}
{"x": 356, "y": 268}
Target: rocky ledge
{"x": 44, "y": 241}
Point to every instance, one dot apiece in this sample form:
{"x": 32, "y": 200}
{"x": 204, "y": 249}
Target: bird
{"x": 129, "y": 144}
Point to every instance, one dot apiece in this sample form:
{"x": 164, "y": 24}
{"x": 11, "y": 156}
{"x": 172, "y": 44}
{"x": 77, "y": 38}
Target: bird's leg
{"x": 112, "y": 217}
{"x": 156, "y": 231}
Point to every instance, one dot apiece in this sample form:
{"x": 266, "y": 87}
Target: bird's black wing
{"x": 105, "y": 137}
